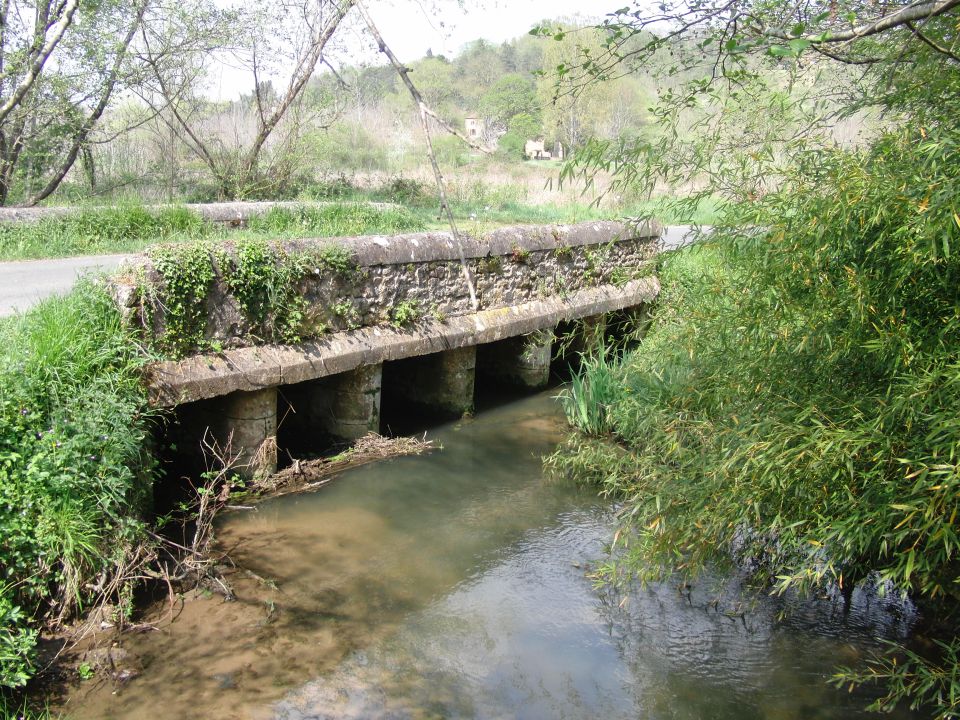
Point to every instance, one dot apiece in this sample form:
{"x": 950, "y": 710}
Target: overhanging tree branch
{"x": 911, "y": 13}
{"x": 931, "y": 43}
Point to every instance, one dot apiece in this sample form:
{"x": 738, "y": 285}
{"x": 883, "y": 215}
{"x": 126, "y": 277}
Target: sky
{"x": 411, "y": 27}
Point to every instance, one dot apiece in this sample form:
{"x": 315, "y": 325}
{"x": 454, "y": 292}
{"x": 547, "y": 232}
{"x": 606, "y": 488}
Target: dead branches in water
{"x": 306, "y": 475}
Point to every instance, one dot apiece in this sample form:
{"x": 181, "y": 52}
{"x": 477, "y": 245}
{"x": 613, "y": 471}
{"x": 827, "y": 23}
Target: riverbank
{"x": 793, "y": 406}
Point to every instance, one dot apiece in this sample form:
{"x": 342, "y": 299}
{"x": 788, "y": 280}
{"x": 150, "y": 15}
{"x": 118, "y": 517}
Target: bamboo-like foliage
{"x": 796, "y": 401}
{"x": 794, "y": 406}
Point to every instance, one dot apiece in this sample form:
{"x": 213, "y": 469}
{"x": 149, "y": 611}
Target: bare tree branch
{"x": 424, "y": 113}
{"x": 303, "y": 73}
{"x": 453, "y": 131}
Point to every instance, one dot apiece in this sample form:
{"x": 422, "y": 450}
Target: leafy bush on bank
{"x": 75, "y": 471}
{"x": 796, "y": 401}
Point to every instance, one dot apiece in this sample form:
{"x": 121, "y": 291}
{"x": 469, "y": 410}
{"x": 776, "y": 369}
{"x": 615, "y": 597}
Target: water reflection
{"x": 528, "y": 638}
{"x": 454, "y": 585}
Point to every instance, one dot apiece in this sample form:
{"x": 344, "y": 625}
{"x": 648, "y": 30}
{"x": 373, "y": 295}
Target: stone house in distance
{"x": 475, "y": 128}
{"x": 536, "y": 150}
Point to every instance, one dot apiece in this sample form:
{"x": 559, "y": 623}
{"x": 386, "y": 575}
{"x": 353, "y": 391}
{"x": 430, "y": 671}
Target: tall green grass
{"x": 588, "y": 400}
{"x": 96, "y": 231}
{"x": 131, "y": 228}
{"x": 23, "y": 710}
{"x": 333, "y": 220}
{"x": 75, "y": 474}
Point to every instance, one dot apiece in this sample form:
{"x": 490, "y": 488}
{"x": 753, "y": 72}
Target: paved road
{"x": 675, "y": 236}
{"x": 26, "y": 282}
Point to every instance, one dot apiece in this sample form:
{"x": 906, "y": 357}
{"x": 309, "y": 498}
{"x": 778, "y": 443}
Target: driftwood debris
{"x": 307, "y": 475}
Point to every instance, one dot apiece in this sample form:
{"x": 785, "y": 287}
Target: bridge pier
{"x": 522, "y": 361}
{"x": 252, "y": 418}
{"x": 441, "y": 383}
{"x": 344, "y": 406}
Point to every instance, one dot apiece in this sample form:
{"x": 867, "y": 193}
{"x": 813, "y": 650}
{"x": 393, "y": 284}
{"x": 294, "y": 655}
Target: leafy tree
{"x": 61, "y": 63}
{"x": 510, "y": 96}
{"x": 572, "y": 110}
{"x": 526, "y": 126}
{"x": 435, "y": 78}
{"x": 478, "y": 67}
{"x": 523, "y": 55}
{"x": 794, "y": 404}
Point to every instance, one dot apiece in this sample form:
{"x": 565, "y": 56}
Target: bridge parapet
{"x": 205, "y": 297}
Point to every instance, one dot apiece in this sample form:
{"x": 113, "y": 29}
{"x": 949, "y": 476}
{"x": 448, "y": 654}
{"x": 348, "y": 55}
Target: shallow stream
{"x": 456, "y": 585}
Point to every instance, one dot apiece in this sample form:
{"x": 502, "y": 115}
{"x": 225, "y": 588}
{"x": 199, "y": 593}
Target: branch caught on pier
{"x": 305, "y": 475}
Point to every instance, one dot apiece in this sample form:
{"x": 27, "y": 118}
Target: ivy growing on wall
{"x": 265, "y": 279}
{"x": 188, "y": 274}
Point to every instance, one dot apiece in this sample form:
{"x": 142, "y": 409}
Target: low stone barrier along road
{"x": 24, "y": 283}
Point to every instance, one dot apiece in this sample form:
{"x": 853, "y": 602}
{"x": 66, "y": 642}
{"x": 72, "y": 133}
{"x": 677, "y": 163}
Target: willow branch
{"x": 921, "y": 10}
{"x": 936, "y": 46}
{"x": 424, "y": 113}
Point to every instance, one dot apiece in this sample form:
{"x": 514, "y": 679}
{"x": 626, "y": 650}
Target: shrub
{"x": 512, "y": 146}
{"x": 407, "y": 192}
{"x": 348, "y": 147}
{"x": 795, "y": 401}
{"x": 74, "y": 472}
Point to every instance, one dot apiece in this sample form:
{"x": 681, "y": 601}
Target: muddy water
{"x": 455, "y": 585}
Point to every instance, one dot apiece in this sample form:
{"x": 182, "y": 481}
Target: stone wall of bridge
{"x": 398, "y": 280}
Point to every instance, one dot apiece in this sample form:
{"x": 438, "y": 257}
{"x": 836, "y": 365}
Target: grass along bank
{"x": 75, "y": 469}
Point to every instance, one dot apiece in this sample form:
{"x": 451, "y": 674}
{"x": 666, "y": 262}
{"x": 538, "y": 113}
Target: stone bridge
{"x": 400, "y": 322}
